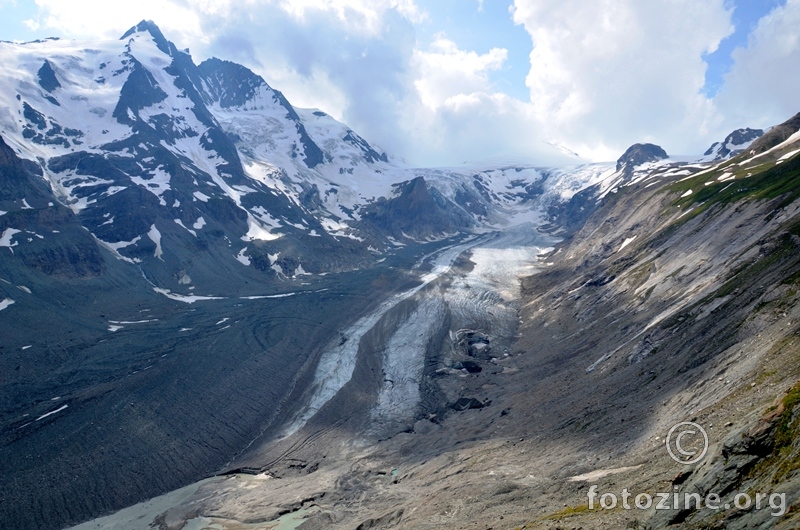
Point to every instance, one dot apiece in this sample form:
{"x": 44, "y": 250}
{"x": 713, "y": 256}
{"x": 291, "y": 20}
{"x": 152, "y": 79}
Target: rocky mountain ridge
{"x": 157, "y": 155}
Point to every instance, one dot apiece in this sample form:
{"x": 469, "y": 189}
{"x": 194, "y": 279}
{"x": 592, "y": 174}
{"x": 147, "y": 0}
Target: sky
{"x": 442, "y": 82}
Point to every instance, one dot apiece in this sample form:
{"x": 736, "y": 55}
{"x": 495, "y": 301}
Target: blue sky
{"x": 442, "y": 81}
{"x": 746, "y": 14}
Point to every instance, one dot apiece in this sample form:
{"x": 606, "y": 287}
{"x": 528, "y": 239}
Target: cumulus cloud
{"x": 445, "y": 71}
{"x": 613, "y": 72}
{"x": 762, "y": 86}
{"x": 455, "y": 116}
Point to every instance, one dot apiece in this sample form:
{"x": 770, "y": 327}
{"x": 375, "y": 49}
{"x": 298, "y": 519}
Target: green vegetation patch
{"x": 768, "y": 181}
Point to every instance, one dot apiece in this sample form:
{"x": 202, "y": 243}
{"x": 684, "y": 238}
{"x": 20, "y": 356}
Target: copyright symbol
{"x": 687, "y": 442}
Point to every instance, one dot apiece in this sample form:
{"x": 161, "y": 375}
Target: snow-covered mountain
{"x": 733, "y": 144}
{"x": 158, "y": 157}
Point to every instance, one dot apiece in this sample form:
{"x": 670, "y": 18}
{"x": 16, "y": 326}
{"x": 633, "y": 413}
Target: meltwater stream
{"x": 486, "y": 295}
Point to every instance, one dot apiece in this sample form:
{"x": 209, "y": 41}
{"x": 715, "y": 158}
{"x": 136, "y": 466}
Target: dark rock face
{"x": 150, "y": 27}
{"x": 417, "y": 211}
{"x": 139, "y": 91}
{"x": 55, "y": 243}
{"x": 16, "y": 182}
{"x": 572, "y": 214}
{"x": 465, "y": 403}
{"x": 369, "y": 153}
{"x": 34, "y": 116}
{"x": 47, "y": 77}
{"x": 740, "y": 136}
{"x": 639, "y": 154}
{"x": 728, "y": 471}
{"x": 470, "y": 366}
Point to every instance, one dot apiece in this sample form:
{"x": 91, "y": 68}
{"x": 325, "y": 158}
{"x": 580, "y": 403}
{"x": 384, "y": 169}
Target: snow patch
{"x": 180, "y": 223}
{"x": 244, "y": 260}
{"x": 257, "y": 232}
{"x": 627, "y": 242}
{"x": 183, "y": 298}
{"x": 5, "y": 239}
{"x": 43, "y": 416}
{"x": 155, "y": 237}
{"x": 262, "y": 297}
{"x": 157, "y": 184}
{"x": 115, "y": 247}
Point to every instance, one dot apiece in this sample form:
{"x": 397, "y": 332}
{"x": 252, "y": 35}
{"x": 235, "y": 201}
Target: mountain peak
{"x": 639, "y": 154}
{"x": 148, "y": 26}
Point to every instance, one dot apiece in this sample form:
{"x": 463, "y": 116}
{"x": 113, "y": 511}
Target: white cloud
{"x": 445, "y": 71}
{"x": 455, "y": 115}
{"x": 476, "y": 127}
{"x": 181, "y": 21}
{"x": 357, "y": 75}
{"x": 610, "y": 73}
{"x": 763, "y": 86}
{"x": 357, "y": 16}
